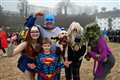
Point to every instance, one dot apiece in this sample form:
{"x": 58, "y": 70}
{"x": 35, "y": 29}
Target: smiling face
{"x": 34, "y": 33}
{"x": 46, "y": 47}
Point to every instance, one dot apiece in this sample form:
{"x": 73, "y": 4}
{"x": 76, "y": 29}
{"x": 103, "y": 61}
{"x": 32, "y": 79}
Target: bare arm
{"x": 19, "y": 48}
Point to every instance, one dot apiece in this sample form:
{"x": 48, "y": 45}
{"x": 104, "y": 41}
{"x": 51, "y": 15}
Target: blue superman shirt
{"x": 47, "y": 66}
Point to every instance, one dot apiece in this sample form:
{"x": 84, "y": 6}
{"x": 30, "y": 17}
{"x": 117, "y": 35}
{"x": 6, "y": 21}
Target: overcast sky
{"x": 109, "y": 4}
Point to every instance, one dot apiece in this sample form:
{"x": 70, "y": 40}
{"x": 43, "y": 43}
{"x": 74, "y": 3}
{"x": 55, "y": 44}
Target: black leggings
{"x": 72, "y": 72}
{"x": 3, "y": 50}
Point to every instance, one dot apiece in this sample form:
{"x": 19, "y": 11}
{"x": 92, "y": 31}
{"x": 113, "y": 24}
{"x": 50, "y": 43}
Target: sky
{"x": 109, "y": 4}
{"x": 78, "y": 2}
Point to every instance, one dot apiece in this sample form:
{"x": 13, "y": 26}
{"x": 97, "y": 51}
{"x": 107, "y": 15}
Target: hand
{"x": 39, "y": 14}
{"x": 88, "y": 49}
{"x": 105, "y": 59}
{"x": 61, "y": 47}
{"x": 76, "y": 47}
{"x": 97, "y": 56}
{"x": 12, "y": 55}
{"x": 87, "y": 57}
{"x": 67, "y": 63}
{"x": 31, "y": 65}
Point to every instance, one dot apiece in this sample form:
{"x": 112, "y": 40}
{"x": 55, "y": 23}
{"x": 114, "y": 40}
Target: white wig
{"x": 73, "y": 26}
{"x": 74, "y": 29}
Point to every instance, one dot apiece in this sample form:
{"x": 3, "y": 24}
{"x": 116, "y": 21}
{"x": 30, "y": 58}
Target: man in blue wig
{"x": 49, "y": 30}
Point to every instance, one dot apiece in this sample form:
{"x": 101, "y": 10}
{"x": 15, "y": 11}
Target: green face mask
{"x": 92, "y": 34}
{"x": 92, "y": 38}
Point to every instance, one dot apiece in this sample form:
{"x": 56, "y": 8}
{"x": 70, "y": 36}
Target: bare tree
{"x": 103, "y": 9}
{"x": 60, "y": 7}
{"x": 1, "y": 9}
{"x": 23, "y": 7}
{"x": 115, "y": 9}
{"x": 1, "y": 15}
{"x": 63, "y": 6}
{"x": 66, "y": 7}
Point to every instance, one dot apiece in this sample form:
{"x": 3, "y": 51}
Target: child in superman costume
{"x": 46, "y": 63}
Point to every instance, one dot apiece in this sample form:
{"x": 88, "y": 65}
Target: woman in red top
{"x": 29, "y": 49}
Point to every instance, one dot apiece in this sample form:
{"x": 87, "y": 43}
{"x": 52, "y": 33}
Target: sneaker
{"x": 4, "y": 55}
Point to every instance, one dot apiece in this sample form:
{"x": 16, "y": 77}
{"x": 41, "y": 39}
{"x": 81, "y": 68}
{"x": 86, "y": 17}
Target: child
{"x": 46, "y": 63}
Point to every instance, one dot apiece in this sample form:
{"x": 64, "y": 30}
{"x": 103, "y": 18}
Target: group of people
{"x": 8, "y": 40}
{"x": 46, "y": 49}
{"x": 114, "y": 35}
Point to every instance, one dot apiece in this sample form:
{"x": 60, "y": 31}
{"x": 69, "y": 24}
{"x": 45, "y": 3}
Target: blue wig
{"x": 49, "y": 18}
{"x": 30, "y": 21}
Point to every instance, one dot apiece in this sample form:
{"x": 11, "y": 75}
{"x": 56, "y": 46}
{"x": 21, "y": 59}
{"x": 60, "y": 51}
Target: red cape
{"x": 3, "y": 39}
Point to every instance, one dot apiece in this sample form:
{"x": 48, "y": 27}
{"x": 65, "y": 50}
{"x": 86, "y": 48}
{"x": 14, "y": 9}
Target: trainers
{"x": 4, "y": 55}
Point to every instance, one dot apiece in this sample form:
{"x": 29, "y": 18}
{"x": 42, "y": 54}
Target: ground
{"x": 9, "y": 71}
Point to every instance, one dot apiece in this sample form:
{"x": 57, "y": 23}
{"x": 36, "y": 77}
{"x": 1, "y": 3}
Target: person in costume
{"x": 62, "y": 42}
{"x": 29, "y": 49}
{"x": 3, "y": 41}
{"x": 75, "y": 52}
{"x": 99, "y": 51}
{"x": 49, "y": 30}
{"x": 46, "y": 63}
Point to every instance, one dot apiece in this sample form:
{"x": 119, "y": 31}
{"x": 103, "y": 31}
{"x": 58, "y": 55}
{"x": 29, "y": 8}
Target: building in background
{"x": 110, "y": 19}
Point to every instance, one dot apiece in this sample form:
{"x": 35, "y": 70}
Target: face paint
{"x": 92, "y": 34}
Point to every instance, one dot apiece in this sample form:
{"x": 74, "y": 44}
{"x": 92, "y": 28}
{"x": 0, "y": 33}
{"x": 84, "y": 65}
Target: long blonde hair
{"x": 75, "y": 25}
{"x": 71, "y": 33}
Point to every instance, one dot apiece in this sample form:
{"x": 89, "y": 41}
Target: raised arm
{"x": 19, "y": 48}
